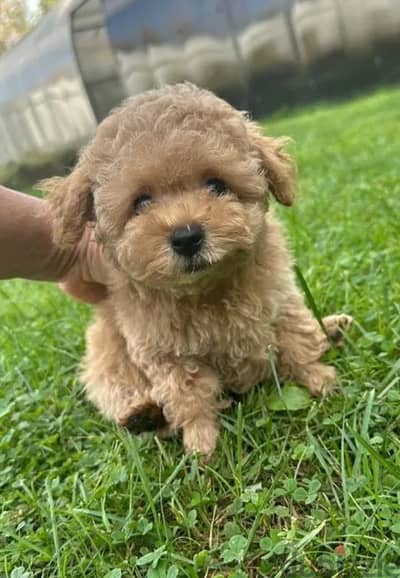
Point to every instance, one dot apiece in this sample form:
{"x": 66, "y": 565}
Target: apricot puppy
{"x": 178, "y": 183}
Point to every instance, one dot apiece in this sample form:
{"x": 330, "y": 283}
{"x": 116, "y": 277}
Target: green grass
{"x": 288, "y": 493}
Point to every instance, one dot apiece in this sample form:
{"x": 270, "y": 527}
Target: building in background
{"x": 83, "y": 58}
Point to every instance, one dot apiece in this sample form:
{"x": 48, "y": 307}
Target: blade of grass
{"x": 310, "y": 299}
{"x": 53, "y": 524}
{"x": 394, "y": 470}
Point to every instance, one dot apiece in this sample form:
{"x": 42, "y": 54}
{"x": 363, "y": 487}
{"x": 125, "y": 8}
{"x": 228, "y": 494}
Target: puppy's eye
{"x": 142, "y": 203}
{"x": 217, "y": 186}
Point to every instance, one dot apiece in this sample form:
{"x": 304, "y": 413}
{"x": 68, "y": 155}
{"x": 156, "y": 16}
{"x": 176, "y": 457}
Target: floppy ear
{"x": 69, "y": 205}
{"x": 278, "y": 166}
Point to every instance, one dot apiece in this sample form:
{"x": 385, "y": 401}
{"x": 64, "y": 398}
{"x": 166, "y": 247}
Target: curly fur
{"x": 174, "y": 336}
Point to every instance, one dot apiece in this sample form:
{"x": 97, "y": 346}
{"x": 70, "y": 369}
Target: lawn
{"x": 291, "y": 493}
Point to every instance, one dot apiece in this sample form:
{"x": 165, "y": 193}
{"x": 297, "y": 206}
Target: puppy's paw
{"x": 144, "y": 418}
{"x": 201, "y": 437}
{"x": 336, "y": 326}
{"x": 320, "y": 379}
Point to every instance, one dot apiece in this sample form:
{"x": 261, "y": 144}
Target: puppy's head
{"x": 177, "y": 182}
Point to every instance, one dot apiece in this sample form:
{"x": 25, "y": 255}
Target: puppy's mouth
{"x": 194, "y": 270}
{"x": 196, "y": 265}
{"x": 201, "y": 267}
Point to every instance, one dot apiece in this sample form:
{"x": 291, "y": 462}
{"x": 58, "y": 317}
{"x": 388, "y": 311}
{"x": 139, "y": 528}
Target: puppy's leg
{"x": 187, "y": 392}
{"x": 301, "y": 342}
{"x": 114, "y": 384}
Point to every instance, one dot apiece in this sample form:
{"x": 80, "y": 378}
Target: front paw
{"x": 319, "y": 379}
{"x": 201, "y": 437}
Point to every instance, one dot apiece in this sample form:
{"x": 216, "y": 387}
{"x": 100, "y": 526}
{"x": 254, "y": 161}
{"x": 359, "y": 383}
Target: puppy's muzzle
{"x": 187, "y": 241}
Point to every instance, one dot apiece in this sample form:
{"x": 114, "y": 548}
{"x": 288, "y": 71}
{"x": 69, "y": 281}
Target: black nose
{"x": 187, "y": 240}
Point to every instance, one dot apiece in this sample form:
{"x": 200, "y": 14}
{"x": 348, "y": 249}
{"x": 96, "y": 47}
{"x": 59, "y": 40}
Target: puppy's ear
{"x": 278, "y": 166}
{"x": 69, "y": 205}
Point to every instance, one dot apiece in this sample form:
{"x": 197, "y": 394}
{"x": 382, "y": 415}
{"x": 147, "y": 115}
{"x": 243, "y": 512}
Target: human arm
{"x": 27, "y": 249}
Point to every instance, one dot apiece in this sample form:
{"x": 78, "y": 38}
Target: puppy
{"x": 178, "y": 183}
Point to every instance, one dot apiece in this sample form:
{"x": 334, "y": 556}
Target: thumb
{"x": 82, "y": 291}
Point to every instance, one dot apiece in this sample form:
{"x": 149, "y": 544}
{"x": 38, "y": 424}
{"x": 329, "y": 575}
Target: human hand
{"x": 87, "y": 277}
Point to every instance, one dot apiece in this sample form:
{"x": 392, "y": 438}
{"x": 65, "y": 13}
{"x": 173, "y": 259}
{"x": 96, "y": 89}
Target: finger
{"x": 90, "y": 293}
